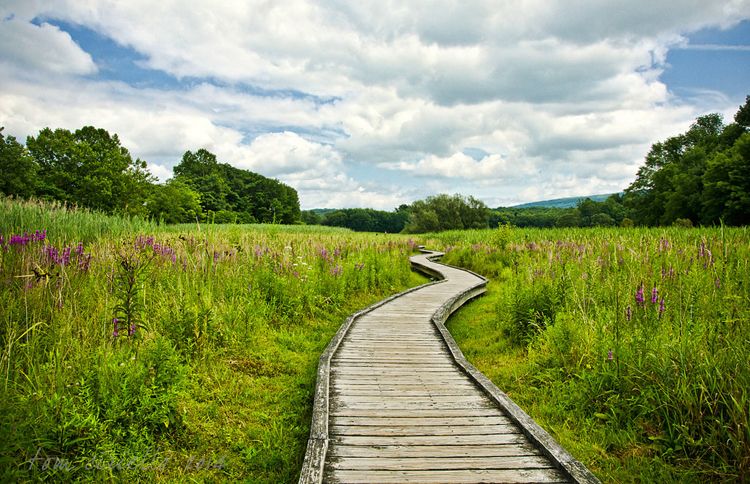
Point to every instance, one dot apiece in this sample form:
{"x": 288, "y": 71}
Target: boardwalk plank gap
{"x": 396, "y": 401}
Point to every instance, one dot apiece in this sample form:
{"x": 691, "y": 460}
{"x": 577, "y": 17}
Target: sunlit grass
{"x": 209, "y": 369}
{"x": 651, "y": 388}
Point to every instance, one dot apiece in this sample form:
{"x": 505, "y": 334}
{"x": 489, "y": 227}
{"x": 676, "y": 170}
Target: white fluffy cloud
{"x": 371, "y": 103}
{"x": 41, "y": 47}
{"x": 461, "y": 165}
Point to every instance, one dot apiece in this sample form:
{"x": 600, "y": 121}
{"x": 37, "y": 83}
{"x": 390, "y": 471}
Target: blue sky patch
{"x": 117, "y": 62}
{"x": 114, "y": 61}
{"x": 712, "y": 60}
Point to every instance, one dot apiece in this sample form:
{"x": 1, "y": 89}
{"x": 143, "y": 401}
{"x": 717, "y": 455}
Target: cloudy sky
{"x": 378, "y": 103}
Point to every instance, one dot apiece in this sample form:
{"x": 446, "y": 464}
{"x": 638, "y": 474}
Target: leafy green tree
{"x": 17, "y": 167}
{"x": 229, "y": 194}
{"x": 742, "y": 117}
{"x": 613, "y": 206}
{"x": 700, "y": 176}
{"x": 727, "y": 185}
{"x": 587, "y": 208}
{"x": 201, "y": 172}
{"x": 174, "y": 202}
{"x": 602, "y": 220}
{"x": 309, "y": 217}
{"x": 570, "y": 219}
{"x": 367, "y": 219}
{"x": 446, "y": 212}
{"x": 89, "y": 167}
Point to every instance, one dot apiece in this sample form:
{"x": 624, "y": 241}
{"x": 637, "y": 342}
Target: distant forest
{"x": 700, "y": 177}
{"x": 90, "y": 168}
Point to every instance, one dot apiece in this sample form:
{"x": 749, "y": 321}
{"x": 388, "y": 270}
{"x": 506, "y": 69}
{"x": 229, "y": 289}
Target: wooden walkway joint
{"x": 396, "y": 401}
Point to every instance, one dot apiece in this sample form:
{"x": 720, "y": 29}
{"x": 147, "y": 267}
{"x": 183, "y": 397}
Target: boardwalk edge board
{"x": 548, "y": 445}
{"x": 317, "y": 443}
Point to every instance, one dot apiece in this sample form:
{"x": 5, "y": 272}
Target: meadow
{"x": 165, "y": 353}
{"x": 629, "y": 345}
{"x": 133, "y": 351}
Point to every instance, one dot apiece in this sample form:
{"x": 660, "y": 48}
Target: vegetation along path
{"x": 396, "y": 401}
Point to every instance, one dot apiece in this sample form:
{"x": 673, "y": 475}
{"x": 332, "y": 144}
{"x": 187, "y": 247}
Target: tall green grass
{"x": 65, "y": 224}
{"x": 632, "y": 345}
{"x": 130, "y": 351}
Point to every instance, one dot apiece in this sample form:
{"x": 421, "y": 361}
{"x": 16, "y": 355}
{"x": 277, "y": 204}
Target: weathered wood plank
{"x": 439, "y": 463}
{"x": 373, "y": 350}
{"x": 428, "y": 439}
{"x": 401, "y": 430}
{"x": 411, "y": 370}
{"x": 420, "y": 421}
{"x": 381, "y": 383}
{"x": 415, "y": 412}
{"x": 441, "y": 390}
{"x": 441, "y": 451}
{"x": 419, "y": 399}
{"x": 410, "y": 405}
{"x": 453, "y": 476}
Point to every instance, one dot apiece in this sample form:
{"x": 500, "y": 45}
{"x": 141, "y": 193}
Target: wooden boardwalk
{"x": 396, "y": 401}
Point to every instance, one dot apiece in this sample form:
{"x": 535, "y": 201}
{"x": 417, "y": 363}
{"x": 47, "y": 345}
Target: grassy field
{"x": 132, "y": 351}
{"x": 630, "y": 346}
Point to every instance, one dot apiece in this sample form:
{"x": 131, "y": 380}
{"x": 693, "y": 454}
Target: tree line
{"x": 433, "y": 214}
{"x": 90, "y": 168}
{"x": 456, "y": 212}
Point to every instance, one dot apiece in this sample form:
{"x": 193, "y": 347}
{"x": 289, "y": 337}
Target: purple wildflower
{"x": 19, "y": 239}
{"x": 52, "y": 254}
{"x": 628, "y": 313}
{"x": 116, "y": 327}
{"x": 610, "y": 356}
{"x": 654, "y": 295}
{"x": 709, "y": 259}
{"x": 336, "y": 271}
{"x": 662, "y": 307}
{"x": 79, "y": 249}
{"x": 131, "y": 330}
{"x": 639, "y": 295}
{"x": 65, "y": 260}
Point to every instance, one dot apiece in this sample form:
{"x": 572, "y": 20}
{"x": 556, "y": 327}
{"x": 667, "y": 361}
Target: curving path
{"x": 396, "y": 401}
